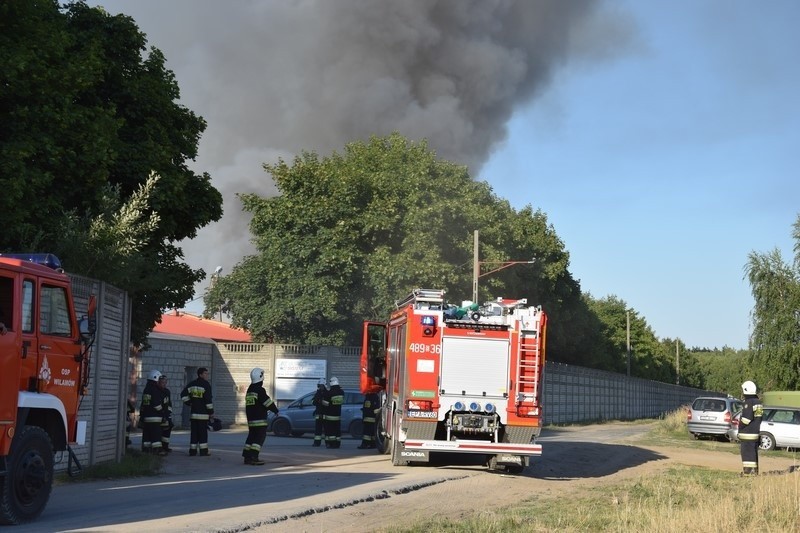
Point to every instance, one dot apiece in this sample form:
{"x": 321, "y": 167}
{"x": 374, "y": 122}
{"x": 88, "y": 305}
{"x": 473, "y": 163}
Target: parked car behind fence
{"x": 297, "y": 418}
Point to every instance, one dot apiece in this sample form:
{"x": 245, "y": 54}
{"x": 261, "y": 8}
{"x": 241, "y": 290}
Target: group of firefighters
{"x": 328, "y": 401}
{"x": 155, "y": 415}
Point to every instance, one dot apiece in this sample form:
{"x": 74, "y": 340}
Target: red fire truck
{"x": 43, "y": 374}
{"x": 461, "y": 379}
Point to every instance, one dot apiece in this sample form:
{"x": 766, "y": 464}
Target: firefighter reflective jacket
{"x": 750, "y": 422}
{"x": 197, "y": 395}
{"x": 333, "y": 403}
{"x": 256, "y": 405}
{"x": 152, "y": 408}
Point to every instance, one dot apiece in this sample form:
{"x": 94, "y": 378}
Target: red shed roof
{"x": 180, "y": 323}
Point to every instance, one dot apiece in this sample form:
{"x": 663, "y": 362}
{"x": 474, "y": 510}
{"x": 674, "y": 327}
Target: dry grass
{"x": 679, "y": 499}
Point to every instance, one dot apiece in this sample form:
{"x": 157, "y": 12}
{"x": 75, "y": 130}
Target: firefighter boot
{"x": 255, "y": 461}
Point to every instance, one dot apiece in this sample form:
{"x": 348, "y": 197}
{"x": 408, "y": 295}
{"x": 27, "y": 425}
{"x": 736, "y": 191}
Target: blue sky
{"x": 660, "y": 139}
{"x": 664, "y": 169}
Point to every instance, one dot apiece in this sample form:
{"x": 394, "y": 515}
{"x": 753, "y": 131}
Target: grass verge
{"x": 680, "y": 499}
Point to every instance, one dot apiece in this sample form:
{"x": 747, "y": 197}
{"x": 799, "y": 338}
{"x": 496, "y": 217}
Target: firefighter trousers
{"x": 198, "y": 438}
{"x": 319, "y": 429}
{"x": 749, "y": 451}
{"x": 256, "y": 435}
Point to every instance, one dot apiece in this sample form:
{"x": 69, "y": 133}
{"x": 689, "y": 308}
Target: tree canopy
{"x": 88, "y": 113}
{"x": 775, "y": 340}
{"x": 351, "y": 233}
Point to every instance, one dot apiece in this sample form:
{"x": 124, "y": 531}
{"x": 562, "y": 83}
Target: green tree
{"x": 648, "y": 356}
{"x": 722, "y": 369}
{"x": 352, "y": 232}
{"x": 88, "y": 113}
{"x": 776, "y": 317}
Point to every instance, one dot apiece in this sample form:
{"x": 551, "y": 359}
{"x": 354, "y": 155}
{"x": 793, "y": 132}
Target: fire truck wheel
{"x": 28, "y": 480}
{"x": 514, "y": 469}
{"x": 382, "y": 441}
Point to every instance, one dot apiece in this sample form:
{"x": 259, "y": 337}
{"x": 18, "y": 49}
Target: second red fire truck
{"x": 460, "y": 379}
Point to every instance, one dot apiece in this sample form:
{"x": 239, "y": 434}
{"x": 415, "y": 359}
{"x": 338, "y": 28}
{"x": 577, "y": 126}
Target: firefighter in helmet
{"x": 197, "y": 395}
{"x": 369, "y": 410}
{"x": 319, "y": 412}
{"x": 334, "y": 398}
{"x": 257, "y": 405}
{"x": 151, "y": 412}
{"x": 749, "y": 427}
{"x": 166, "y": 423}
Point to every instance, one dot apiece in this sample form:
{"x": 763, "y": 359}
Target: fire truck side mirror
{"x": 87, "y": 326}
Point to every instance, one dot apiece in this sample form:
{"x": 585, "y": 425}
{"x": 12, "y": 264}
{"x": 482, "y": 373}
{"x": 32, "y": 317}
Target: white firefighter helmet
{"x": 748, "y": 387}
{"x": 334, "y": 381}
{"x": 256, "y": 375}
{"x": 321, "y": 382}
{"x": 154, "y": 375}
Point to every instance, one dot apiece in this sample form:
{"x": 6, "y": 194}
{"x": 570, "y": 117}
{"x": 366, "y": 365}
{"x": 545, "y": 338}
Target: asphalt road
{"x": 220, "y": 493}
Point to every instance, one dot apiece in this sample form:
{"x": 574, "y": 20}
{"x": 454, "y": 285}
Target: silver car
{"x": 713, "y": 416}
{"x": 780, "y": 428}
{"x": 297, "y": 418}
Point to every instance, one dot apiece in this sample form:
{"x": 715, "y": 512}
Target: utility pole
{"x": 476, "y": 268}
{"x": 628, "y": 333}
{"x": 677, "y": 364}
{"x": 214, "y": 280}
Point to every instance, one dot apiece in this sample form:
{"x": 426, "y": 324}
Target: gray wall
{"x": 230, "y": 363}
{"x": 578, "y": 394}
{"x": 571, "y": 393}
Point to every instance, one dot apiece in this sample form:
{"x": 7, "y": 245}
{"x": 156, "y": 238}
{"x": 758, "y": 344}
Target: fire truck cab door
{"x": 49, "y": 348}
{"x": 10, "y": 348}
{"x": 373, "y": 357}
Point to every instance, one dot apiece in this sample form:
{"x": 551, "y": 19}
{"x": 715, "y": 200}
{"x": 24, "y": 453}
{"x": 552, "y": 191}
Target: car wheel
{"x": 356, "y": 429}
{"x": 281, "y": 427}
{"x": 766, "y": 441}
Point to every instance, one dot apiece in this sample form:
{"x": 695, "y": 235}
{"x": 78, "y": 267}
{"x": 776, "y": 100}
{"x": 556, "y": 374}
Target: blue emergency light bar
{"x": 48, "y": 260}
{"x": 428, "y": 320}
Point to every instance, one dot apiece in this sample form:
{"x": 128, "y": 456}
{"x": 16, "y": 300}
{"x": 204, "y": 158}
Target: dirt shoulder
{"x": 568, "y": 466}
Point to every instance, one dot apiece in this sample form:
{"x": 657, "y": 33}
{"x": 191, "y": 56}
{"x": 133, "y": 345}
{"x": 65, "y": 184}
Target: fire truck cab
{"x": 43, "y": 374}
{"x": 460, "y": 379}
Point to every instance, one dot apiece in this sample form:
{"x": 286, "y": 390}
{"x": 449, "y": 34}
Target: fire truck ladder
{"x": 426, "y": 296}
{"x": 528, "y": 367}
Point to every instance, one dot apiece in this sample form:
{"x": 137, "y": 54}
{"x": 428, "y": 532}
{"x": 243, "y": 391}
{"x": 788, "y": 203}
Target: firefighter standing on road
{"x": 319, "y": 412}
{"x": 197, "y": 395}
{"x": 152, "y": 414}
{"x": 369, "y": 410}
{"x": 166, "y": 424}
{"x": 257, "y": 404}
{"x": 333, "y": 414}
{"x": 749, "y": 427}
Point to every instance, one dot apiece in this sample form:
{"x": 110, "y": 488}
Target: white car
{"x": 780, "y": 428}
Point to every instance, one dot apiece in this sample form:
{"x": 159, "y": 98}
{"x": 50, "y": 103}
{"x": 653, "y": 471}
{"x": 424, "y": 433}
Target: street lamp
{"x": 476, "y": 268}
{"x": 214, "y": 280}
